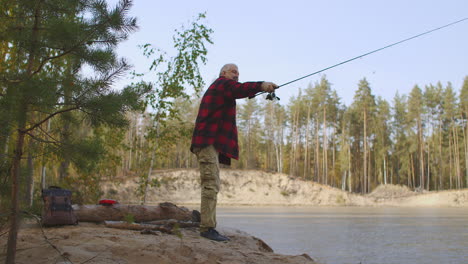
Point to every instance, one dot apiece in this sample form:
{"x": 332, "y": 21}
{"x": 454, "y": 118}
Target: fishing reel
{"x": 272, "y": 96}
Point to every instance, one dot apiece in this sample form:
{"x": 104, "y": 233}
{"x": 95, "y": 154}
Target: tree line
{"x": 419, "y": 140}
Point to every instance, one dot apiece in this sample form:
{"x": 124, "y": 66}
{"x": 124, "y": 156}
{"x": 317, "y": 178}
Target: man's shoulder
{"x": 221, "y": 80}
{"x": 220, "y": 84}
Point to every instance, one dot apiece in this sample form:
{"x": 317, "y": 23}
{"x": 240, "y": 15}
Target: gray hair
{"x": 226, "y": 67}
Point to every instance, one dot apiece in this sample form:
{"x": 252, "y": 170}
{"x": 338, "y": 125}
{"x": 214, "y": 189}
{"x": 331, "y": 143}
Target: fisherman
{"x": 214, "y": 138}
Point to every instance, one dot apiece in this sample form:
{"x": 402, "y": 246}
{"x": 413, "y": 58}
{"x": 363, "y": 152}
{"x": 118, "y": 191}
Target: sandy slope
{"x": 248, "y": 187}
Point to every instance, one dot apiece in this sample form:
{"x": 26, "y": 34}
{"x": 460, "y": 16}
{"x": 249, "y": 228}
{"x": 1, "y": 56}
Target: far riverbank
{"x": 255, "y": 188}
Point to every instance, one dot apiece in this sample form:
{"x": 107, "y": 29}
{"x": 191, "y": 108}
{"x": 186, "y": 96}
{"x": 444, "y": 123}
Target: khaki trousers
{"x": 210, "y": 184}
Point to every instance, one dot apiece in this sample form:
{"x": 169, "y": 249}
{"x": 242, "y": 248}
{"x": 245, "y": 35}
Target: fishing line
{"x": 272, "y": 96}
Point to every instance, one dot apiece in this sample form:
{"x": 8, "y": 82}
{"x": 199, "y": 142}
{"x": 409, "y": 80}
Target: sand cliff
{"x": 250, "y": 187}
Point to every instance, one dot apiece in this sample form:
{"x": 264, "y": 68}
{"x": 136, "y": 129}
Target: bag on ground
{"x": 58, "y": 208}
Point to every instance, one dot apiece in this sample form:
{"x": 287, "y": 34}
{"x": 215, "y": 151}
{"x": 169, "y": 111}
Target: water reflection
{"x": 339, "y": 235}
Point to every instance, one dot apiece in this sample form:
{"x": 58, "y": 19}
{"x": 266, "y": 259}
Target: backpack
{"x": 57, "y": 208}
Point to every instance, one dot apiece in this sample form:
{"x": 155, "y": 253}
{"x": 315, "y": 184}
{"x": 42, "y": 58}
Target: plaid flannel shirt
{"x": 216, "y": 120}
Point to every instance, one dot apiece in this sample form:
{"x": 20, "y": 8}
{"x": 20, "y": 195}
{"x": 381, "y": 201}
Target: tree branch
{"x": 49, "y": 117}
{"x": 48, "y": 135}
{"x": 124, "y": 7}
{"x": 106, "y": 80}
{"x": 40, "y": 139}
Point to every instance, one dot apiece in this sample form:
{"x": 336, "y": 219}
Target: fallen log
{"x": 139, "y": 213}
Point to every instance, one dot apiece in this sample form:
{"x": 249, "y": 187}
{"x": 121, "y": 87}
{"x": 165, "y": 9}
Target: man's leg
{"x": 209, "y": 176}
{"x": 210, "y": 183}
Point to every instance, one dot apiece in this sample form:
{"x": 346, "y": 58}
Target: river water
{"x": 352, "y": 235}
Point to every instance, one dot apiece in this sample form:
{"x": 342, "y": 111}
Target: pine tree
{"x": 400, "y": 149}
{"x": 450, "y": 115}
{"x": 297, "y": 120}
{"x": 382, "y": 140}
{"x": 364, "y": 105}
{"x": 249, "y": 129}
{"x": 416, "y": 110}
{"x": 464, "y": 118}
{"x": 44, "y": 43}
{"x": 433, "y": 101}
{"x": 344, "y": 156}
{"x": 274, "y": 122}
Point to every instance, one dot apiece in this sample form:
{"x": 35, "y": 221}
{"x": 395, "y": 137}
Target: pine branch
{"x": 47, "y": 134}
{"x": 107, "y": 81}
{"x": 46, "y": 59}
{"x": 47, "y": 118}
{"x": 40, "y": 139}
{"x": 91, "y": 114}
{"x": 88, "y": 40}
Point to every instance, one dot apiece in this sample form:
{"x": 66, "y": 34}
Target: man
{"x": 214, "y": 138}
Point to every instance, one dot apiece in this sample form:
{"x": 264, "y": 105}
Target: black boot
{"x": 212, "y": 234}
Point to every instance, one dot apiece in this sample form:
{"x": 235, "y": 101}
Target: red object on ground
{"x": 107, "y": 202}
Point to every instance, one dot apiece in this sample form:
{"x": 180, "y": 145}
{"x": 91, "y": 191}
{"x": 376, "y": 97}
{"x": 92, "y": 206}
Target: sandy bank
{"x": 251, "y": 187}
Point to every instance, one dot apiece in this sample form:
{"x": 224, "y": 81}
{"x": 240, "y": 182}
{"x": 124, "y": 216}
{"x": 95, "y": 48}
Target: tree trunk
{"x": 385, "y": 170}
{"x": 350, "y": 180}
{"x": 5, "y": 150}
{"x": 14, "y": 217}
{"x": 421, "y": 154}
{"x": 65, "y": 164}
{"x": 30, "y": 177}
{"x": 450, "y": 161}
{"x": 441, "y": 167}
{"x": 413, "y": 183}
{"x": 343, "y": 181}
{"x": 15, "y": 168}
{"x": 147, "y": 178}
{"x": 280, "y": 145}
{"x": 465, "y": 146}
{"x": 457, "y": 157}
{"x": 317, "y": 154}
{"x": 333, "y": 157}
{"x": 44, "y": 168}
{"x": 140, "y": 213}
{"x": 364, "y": 187}
{"x": 428, "y": 178}
{"x": 325, "y": 146}
{"x": 306, "y": 151}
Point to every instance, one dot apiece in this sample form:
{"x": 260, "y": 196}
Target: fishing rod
{"x": 272, "y": 96}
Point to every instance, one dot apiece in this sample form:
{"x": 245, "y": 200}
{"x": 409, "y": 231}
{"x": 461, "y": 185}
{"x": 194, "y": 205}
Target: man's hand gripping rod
{"x": 270, "y": 96}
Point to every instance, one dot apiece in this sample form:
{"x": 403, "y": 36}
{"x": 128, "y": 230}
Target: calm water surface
{"x": 352, "y": 235}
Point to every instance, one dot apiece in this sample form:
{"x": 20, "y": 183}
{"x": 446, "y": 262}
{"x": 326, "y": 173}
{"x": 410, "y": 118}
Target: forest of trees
{"x": 419, "y": 140}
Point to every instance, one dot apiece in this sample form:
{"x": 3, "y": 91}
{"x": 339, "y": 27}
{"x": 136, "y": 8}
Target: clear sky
{"x": 280, "y": 41}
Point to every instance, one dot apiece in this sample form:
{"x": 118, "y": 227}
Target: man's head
{"x": 230, "y": 71}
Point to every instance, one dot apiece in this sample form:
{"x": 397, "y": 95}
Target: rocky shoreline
{"x": 95, "y": 243}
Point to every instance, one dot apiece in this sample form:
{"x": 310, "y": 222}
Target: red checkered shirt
{"x": 216, "y": 120}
